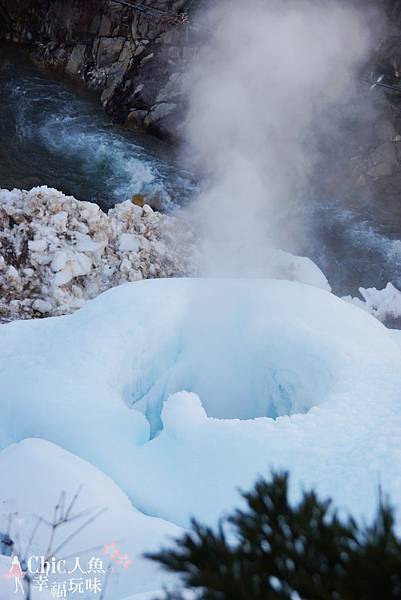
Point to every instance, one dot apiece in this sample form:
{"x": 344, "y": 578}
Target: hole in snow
{"x": 251, "y": 376}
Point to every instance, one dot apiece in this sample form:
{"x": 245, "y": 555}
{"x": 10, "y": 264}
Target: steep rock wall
{"x": 134, "y": 60}
{"x": 132, "y": 57}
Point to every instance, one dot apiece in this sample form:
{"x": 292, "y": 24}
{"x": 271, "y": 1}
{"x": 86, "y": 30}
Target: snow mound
{"x": 283, "y": 265}
{"x": 57, "y": 252}
{"x": 23, "y": 464}
{"x": 276, "y": 374}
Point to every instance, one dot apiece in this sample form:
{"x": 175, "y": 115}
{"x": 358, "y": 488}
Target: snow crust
{"x": 57, "y": 252}
{"x": 45, "y": 470}
{"x": 324, "y": 374}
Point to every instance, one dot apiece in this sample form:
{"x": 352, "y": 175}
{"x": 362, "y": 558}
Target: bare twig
{"x": 73, "y": 501}
{"x": 34, "y": 531}
{"x": 83, "y": 526}
{"x": 105, "y": 582}
{"x": 62, "y": 515}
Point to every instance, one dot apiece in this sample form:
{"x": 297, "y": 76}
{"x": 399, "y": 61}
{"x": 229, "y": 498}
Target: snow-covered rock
{"x": 57, "y": 252}
{"x": 275, "y": 374}
{"x": 45, "y": 470}
{"x": 383, "y": 304}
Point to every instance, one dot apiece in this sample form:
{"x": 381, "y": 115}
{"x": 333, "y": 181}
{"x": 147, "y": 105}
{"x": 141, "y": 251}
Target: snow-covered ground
{"x": 33, "y": 474}
{"x": 180, "y": 391}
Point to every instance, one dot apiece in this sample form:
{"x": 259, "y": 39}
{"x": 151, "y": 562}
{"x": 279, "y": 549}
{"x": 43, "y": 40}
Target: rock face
{"x": 132, "y": 57}
{"x": 57, "y": 252}
{"x": 368, "y": 165}
{"x": 378, "y": 160}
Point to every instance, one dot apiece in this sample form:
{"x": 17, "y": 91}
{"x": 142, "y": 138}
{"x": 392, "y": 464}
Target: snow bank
{"x": 383, "y": 304}
{"x": 57, "y": 252}
{"x": 321, "y": 376}
{"x": 46, "y": 470}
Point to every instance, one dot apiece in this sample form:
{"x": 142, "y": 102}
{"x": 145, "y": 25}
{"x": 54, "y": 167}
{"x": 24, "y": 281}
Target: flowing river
{"x": 54, "y": 134}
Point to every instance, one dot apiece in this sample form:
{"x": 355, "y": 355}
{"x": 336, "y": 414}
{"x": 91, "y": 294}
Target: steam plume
{"x": 260, "y": 92}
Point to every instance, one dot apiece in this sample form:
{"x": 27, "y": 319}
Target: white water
{"x": 58, "y": 137}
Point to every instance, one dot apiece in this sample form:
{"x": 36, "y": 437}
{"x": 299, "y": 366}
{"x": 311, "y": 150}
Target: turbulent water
{"x": 352, "y": 232}
{"x": 355, "y": 247}
{"x": 52, "y": 135}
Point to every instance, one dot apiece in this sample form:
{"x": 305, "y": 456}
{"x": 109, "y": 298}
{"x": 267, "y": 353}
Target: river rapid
{"x": 57, "y": 135}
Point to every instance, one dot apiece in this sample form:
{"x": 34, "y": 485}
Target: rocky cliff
{"x": 131, "y": 53}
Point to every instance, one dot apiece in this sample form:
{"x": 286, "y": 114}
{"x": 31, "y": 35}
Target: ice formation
{"x": 57, "y": 252}
{"x": 383, "y": 304}
{"x": 261, "y": 374}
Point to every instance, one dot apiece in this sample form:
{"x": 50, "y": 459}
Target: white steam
{"x": 261, "y": 90}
